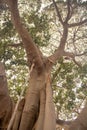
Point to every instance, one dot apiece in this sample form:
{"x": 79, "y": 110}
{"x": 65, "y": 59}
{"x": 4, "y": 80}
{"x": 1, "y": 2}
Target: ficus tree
{"x": 36, "y": 111}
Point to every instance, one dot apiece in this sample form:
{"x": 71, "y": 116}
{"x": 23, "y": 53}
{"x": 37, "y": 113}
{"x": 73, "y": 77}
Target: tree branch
{"x": 84, "y": 53}
{"x": 72, "y": 55}
{"x": 33, "y": 54}
{"x": 16, "y": 45}
{"x": 60, "y": 51}
{"x": 69, "y": 11}
{"x": 62, "y": 122}
{"x": 77, "y": 24}
{"x": 57, "y": 11}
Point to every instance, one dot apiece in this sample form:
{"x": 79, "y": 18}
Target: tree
{"x": 37, "y": 109}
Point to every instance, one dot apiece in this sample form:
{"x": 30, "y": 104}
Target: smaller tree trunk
{"x": 18, "y": 114}
{"x": 81, "y": 122}
{"x": 50, "y": 118}
{"x": 6, "y": 104}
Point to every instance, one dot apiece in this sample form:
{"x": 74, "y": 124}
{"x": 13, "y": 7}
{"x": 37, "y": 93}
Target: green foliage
{"x": 38, "y": 26}
{"x": 17, "y": 77}
{"x": 69, "y": 85}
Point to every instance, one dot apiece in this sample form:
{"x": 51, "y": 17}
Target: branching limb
{"x": 57, "y": 11}
{"x": 72, "y": 56}
{"x": 84, "y": 53}
{"x": 16, "y": 45}
{"x": 32, "y": 51}
{"x": 69, "y": 11}
{"x": 59, "y": 52}
{"x": 62, "y": 122}
{"x": 77, "y": 24}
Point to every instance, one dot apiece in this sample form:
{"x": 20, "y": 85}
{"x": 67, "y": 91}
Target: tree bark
{"x": 6, "y": 104}
{"x": 81, "y": 122}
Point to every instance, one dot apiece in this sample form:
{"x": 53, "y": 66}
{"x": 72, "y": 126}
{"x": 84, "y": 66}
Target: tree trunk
{"x": 38, "y": 112}
{"x": 6, "y": 104}
{"x": 81, "y": 122}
